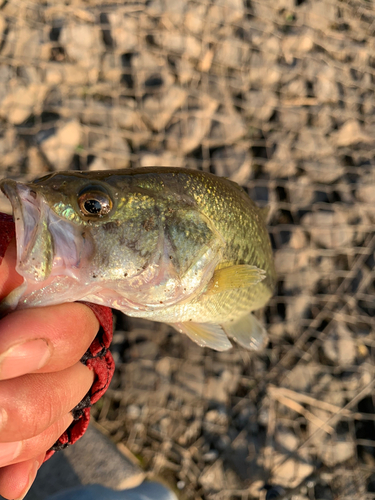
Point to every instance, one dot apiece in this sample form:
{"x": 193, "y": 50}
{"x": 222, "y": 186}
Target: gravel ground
{"x": 277, "y": 95}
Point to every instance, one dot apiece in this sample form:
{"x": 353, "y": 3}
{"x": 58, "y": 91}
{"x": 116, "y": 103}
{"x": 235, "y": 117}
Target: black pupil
{"x": 93, "y": 206}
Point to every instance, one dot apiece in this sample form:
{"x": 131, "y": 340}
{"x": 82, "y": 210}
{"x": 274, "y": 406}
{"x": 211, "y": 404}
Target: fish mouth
{"x": 26, "y": 214}
{"x": 46, "y": 244}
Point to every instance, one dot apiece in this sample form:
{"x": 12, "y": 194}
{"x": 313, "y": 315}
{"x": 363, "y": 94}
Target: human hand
{"x": 41, "y": 379}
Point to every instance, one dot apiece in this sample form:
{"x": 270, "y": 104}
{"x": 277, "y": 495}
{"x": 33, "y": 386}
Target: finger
{"x": 45, "y": 339}
{"x": 9, "y": 278}
{"x": 19, "y": 451}
{"x": 17, "y": 479}
{"x": 32, "y": 403}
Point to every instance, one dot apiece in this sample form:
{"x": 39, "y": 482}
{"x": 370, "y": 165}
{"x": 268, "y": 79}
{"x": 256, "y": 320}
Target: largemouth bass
{"x": 172, "y": 245}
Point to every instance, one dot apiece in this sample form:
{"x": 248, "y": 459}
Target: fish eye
{"x": 94, "y": 203}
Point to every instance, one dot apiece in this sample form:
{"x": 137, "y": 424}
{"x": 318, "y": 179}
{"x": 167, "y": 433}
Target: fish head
{"x": 114, "y": 236}
{"x": 51, "y": 215}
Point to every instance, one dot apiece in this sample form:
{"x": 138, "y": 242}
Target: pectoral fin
{"x": 234, "y": 277}
{"x": 248, "y": 332}
{"x": 205, "y": 334}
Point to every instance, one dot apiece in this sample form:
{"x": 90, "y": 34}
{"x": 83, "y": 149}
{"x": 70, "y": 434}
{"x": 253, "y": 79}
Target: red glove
{"x": 97, "y": 357}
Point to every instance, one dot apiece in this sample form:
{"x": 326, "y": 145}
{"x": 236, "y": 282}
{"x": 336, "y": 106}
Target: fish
{"x": 172, "y": 245}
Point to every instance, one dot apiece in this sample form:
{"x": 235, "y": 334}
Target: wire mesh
{"x": 279, "y": 97}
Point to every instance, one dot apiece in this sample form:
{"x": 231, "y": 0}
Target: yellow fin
{"x": 234, "y": 277}
{"x": 248, "y": 332}
{"x": 205, "y": 334}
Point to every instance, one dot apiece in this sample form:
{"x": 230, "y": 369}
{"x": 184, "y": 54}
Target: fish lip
{"x": 26, "y": 205}
{"x": 47, "y": 245}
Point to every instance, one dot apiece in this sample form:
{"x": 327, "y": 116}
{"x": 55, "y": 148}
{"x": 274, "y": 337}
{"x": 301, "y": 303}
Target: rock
{"x": 12, "y": 153}
{"x": 302, "y": 193}
{"x": 187, "y": 134}
{"x": 97, "y": 113}
{"x": 281, "y": 164}
{"x": 295, "y": 88}
{"x": 217, "y": 417}
{"x": 69, "y": 73}
{"x": 233, "y": 162}
{"x": 298, "y": 308}
{"x": 226, "y": 11}
{"x": 195, "y": 17}
{"x": 226, "y": 128}
{"x": 256, "y": 488}
{"x": 212, "y": 477}
{"x": 124, "y": 31}
{"x": 127, "y": 116}
{"x": 262, "y": 10}
{"x": 271, "y": 49}
{"x": 311, "y": 142}
{"x": 21, "y": 102}
{"x": 259, "y": 104}
{"x": 279, "y": 168}
{"x": 3, "y": 26}
{"x": 320, "y": 15}
{"x": 210, "y": 456}
{"x": 185, "y": 70}
{"x": 366, "y": 192}
{"x": 36, "y": 164}
{"x": 339, "y": 346}
{"x": 219, "y": 388}
{"x": 288, "y": 260}
{"x": 83, "y": 44}
{"x": 262, "y": 74}
{"x": 183, "y": 45}
{"x": 6, "y": 75}
{"x": 296, "y": 45}
{"x": 326, "y": 88}
{"x": 290, "y": 472}
{"x": 26, "y": 44}
{"x": 205, "y": 61}
{"x": 114, "y": 150}
{"x": 324, "y": 172}
{"x": 60, "y": 147}
{"x": 293, "y": 118}
{"x": 302, "y": 377}
{"x": 157, "y": 110}
{"x": 328, "y": 388}
{"x": 298, "y": 239}
{"x": 146, "y": 66}
{"x": 171, "y": 10}
{"x": 98, "y": 164}
{"x": 350, "y": 134}
{"x": 53, "y": 73}
{"x": 232, "y": 53}
{"x": 111, "y": 67}
{"x": 324, "y": 120}
{"x": 333, "y": 452}
{"x": 329, "y": 229}
{"x": 303, "y": 280}
{"x": 164, "y": 367}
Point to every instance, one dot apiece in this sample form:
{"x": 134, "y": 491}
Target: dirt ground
{"x": 277, "y": 95}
